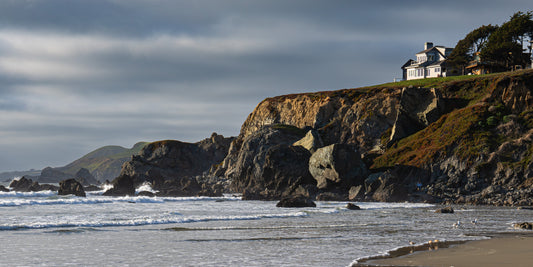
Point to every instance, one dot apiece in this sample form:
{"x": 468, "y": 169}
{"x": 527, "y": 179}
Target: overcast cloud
{"x": 78, "y": 75}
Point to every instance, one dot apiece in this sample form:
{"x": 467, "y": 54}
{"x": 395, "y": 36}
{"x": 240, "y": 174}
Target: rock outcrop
{"x": 171, "y": 166}
{"x": 466, "y": 141}
{"x": 417, "y": 109}
{"x": 445, "y": 210}
{"x": 265, "y": 165}
{"x": 295, "y": 201}
{"x": 71, "y": 187}
{"x": 122, "y": 186}
{"x": 337, "y": 166}
{"x": 28, "y": 185}
{"x": 524, "y": 225}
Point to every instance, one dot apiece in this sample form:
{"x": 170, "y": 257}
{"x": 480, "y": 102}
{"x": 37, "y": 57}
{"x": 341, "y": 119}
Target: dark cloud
{"x": 77, "y": 75}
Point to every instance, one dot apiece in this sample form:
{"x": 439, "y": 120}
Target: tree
{"x": 504, "y": 45}
{"x": 466, "y": 48}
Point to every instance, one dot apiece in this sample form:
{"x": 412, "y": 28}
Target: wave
{"x": 45, "y": 193}
{"x": 280, "y": 227}
{"x": 144, "y": 221}
{"x": 51, "y": 198}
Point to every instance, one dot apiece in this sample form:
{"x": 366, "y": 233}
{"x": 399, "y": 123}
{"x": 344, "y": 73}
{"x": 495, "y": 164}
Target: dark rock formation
{"x": 172, "y": 166}
{"x": 21, "y": 185}
{"x": 295, "y": 202}
{"x": 122, "y": 186}
{"x": 332, "y": 196}
{"x": 3, "y": 189}
{"x": 184, "y": 187}
{"x": 352, "y": 206}
{"x": 265, "y": 165}
{"x": 85, "y": 177}
{"x": 312, "y": 141}
{"x": 28, "y": 185}
{"x": 418, "y": 108}
{"x": 337, "y": 165}
{"x": 524, "y": 225}
{"x": 445, "y": 210}
{"x": 356, "y": 193}
{"x": 71, "y": 187}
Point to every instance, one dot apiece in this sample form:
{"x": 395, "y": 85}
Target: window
{"x": 431, "y": 57}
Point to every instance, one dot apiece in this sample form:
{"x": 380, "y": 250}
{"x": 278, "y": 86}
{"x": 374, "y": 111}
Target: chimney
{"x": 428, "y": 45}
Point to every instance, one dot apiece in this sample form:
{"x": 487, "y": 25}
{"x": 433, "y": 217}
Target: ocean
{"x": 44, "y": 229}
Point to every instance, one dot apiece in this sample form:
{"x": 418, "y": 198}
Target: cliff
{"x": 456, "y": 139}
{"x": 173, "y": 168}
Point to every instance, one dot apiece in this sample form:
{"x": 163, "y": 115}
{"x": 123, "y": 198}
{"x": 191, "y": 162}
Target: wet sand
{"x": 513, "y": 251}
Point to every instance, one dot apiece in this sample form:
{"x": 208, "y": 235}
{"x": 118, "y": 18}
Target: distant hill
{"x": 8, "y": 176}
{"x": 103, "y": 163}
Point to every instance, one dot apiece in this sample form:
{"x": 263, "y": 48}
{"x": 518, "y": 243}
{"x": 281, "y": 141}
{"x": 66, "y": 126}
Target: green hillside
{"x": 105, "y": 162}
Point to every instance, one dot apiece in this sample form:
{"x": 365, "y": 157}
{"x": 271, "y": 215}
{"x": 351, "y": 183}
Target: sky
{"x": 79, "y": 75}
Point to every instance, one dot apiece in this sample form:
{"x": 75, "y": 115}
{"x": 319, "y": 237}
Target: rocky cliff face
{"x": 466, "y": 141}
{"x": 358, "y": 117}
{"x": 172, "y": 166}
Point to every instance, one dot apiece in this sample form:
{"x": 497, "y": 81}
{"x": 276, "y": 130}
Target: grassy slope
{"x": 103, "y": 157}
{"x": 465, "y": 132}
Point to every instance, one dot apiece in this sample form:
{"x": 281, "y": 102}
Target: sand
{"x": 500, "y": 251}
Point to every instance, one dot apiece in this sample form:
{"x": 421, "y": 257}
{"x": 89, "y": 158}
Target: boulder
{"x": 356, "y": 193}
{"x": 311, "y": 141}
{"x": 524, "y": 225}
{"x": 71, "y": 187}
{"x": 392, "y": 192}
{"x": 352, "y": 206}
{"x": 295, "y": 202}
{"x": 122, "y": 186}
{"x": 21, "y": 185}
{"x": 445, "y": 210}
{"x": 337, "y": 165}
{"x": 3, "y": 189}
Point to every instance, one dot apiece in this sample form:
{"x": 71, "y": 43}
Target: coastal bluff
{"x": 444, "y": 140}
{"x": 465, "y": 140}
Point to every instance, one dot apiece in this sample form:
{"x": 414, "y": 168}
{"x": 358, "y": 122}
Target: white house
{"x": 429, "y": 63}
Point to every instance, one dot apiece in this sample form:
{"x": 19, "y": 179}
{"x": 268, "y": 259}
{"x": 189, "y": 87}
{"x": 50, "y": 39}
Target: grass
{"x": 457, "y": 132}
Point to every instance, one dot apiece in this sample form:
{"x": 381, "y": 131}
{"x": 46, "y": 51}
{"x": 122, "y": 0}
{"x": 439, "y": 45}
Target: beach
{"x": 506, "y": 250}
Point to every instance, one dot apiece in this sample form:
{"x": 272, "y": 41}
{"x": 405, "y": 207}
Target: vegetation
{"x": 468, "y": 131}
{"x": 103, "y": 158}
{"x": 500, "y": 46}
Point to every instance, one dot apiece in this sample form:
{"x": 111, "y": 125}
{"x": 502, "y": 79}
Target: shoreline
{"x": 509, "y": 248}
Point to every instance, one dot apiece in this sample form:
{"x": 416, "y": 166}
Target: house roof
{"x": 432, "y": 48}
{"x": 424, "y": 64}
{"x": 408, "y": 63}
